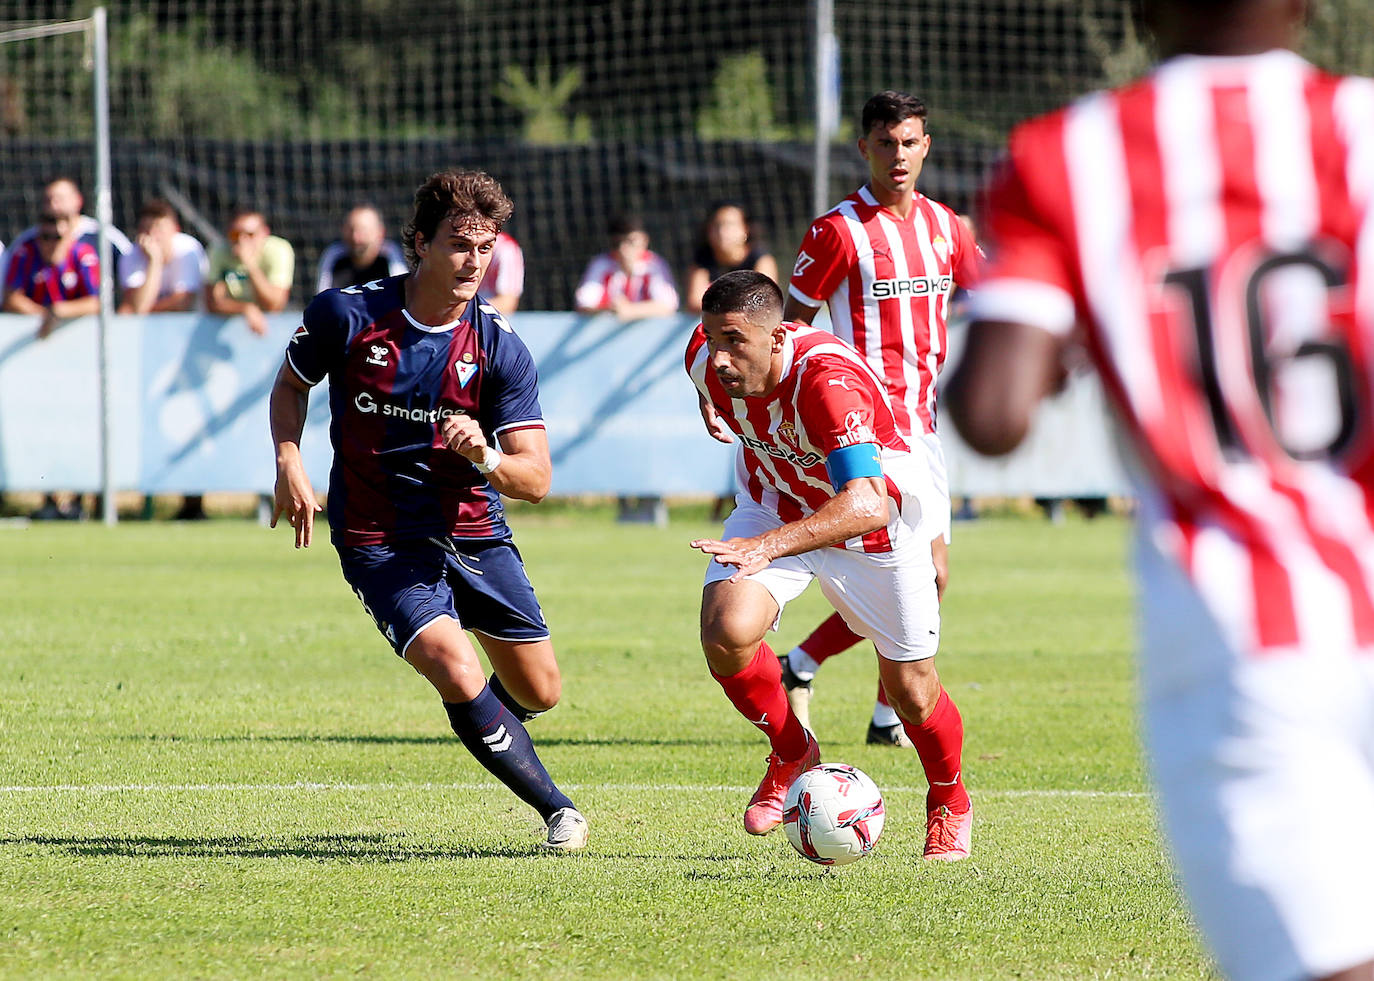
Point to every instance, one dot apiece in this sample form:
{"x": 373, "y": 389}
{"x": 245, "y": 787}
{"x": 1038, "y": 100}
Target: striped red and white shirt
{"x": 604, "y": 281}
{"x": 1210, "y": 229}
{"x": 505, "y": 276}
{"x": 888, "y": 282}
{"x": 827, "y": 398}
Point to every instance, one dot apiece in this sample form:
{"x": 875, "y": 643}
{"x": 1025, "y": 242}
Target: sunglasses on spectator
{"x": 53, "y": 236}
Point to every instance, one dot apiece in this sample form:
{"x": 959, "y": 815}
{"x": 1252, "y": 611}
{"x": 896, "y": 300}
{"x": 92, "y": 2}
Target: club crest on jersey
{"x": 941, "y": 247}
{"x": 856, "y": 430}
{"x": 789, "y": 433}
{"x": 300, "y": 332}
{"x": 804, "y": 262}
{"x": 465, "y": 369}
{"x": 377, "y": 355}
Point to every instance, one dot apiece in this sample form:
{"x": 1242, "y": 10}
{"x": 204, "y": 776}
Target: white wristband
{"x": 491, "y": 459}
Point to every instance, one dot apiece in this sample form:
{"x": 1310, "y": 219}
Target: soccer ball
{"x": 833, "y": 814}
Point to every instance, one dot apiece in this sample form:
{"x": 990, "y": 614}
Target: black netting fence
{"x": 582, "y": 109}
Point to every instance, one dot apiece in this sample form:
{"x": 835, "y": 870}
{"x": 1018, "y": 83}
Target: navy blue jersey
{"x": 391, "y": 383}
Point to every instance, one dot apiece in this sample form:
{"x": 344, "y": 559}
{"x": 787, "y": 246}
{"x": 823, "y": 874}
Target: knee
{"x": 544, "y": 692}
{"x": 915, "y": 696}
{"x": 454, "y": 676}
{"x": 728, "y": 643}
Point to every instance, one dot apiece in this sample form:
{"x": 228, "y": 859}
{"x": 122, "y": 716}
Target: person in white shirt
{"x": 166, "y": 272}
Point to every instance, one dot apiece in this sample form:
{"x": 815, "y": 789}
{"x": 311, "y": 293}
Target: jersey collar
{"x": 442, "y": 328}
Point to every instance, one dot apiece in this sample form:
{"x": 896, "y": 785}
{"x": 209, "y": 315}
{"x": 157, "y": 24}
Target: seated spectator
{"x": 629, "y": 280}
{"x": 55, "y": 276}
{"x": 505, "y": 279}
{"x": 726, "y": 243}
{"x": 61, "y": 196}
{"x": 251, "y": 273}
{"x": 166, "y": 272}
{"x": 362, "y": 254}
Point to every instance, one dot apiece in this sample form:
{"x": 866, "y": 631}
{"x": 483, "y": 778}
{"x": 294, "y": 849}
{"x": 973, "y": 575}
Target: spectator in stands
{"x": 251, "y": 273}
{"x": 61, "y": 196}
{"x": 362, "y": 254}
{"x": 629, "y": 280}
{"x": 505, "y": 278}
{"x": 166, "y": 272}
{"x": 726, "y": 243}
{"x": 54, "y": 276}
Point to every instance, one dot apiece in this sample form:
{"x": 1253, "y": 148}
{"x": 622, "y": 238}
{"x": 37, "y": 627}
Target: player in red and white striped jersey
{"x": 822, "y": 463}
{"x": 886, "y": 260}
{"x": 1209, "y": 230}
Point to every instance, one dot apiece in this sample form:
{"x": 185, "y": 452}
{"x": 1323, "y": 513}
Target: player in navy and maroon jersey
{"x": 1205, "y": 233}
{"x": 426, "y": 380}
{"x": 831, "y": 491}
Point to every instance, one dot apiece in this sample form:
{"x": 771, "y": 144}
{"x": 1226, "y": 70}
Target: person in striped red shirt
{"x": 53, "y": 275}
{"x": 630, "y": 280}
{"x": 831, "y": 491}
{"x": 886, "y": 261}
{"x": 504, "y": 282}
{"x": 1206, "y": 235}
{"x": 426, "y": 380}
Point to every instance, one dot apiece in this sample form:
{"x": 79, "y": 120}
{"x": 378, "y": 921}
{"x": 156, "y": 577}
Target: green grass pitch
{"x": 214, "y": 767}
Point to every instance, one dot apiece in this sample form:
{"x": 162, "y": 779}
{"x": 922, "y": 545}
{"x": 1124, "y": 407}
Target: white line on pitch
{"x": 190, "y": 788}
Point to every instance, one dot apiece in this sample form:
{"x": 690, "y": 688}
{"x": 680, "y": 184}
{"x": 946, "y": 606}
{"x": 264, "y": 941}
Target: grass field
{"x": 214, "y": 767}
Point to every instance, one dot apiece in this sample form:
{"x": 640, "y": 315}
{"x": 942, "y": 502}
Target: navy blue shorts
{"x": 481, "y": 583}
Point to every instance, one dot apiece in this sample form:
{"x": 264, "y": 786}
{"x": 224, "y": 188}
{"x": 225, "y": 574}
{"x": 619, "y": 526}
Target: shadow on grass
{"x": 362, "y": 849}
{"x": 347, "y": 848}
{"x": 435, "y": 740}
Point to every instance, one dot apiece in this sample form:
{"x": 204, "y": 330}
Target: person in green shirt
{"x": 251, "y": 273}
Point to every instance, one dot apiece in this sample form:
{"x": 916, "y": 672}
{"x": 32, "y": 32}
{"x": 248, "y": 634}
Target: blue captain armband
{"x": 849, "y": 462}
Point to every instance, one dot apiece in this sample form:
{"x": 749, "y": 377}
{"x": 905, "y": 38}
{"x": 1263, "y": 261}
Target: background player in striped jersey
{"x": 425, "y": 378}
{"x": 1209, "y": 230}
{"x": 830, "y": 491}
{"x": 886, "y": 260}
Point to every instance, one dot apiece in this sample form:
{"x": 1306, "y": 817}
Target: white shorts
{"x": 1265, "y": 769}
{"x": 935, "y": 509}
{"x": 888, "y": 597}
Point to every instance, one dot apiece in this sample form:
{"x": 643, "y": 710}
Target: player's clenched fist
{"x": 463, "y": 434}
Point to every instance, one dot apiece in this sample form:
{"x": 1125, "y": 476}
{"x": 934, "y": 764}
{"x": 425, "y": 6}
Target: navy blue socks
{"x": 500, "y": 743}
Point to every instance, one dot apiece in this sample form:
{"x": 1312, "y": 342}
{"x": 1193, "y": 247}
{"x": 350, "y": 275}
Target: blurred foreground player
{"x": 1209, "y": 231}
{"x": 832, "y": 492}
{"x": 424, "y": 379}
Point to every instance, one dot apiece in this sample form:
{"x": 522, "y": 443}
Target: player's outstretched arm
{"x": 858, "y": 508}
{"x": 1005, "y": 371}
{"x": 293, "y": 494}
{"x": 520, "y": 468}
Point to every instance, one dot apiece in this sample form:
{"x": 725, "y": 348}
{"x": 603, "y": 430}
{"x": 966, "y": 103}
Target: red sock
{"x": 829, "y": 639}
{"x": 882, "y": 696}
{"x": 939, "y": 741}
{"x": 758, "y": 694}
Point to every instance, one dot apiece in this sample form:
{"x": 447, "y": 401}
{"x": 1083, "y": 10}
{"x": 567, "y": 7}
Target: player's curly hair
{"x": 454, "y": 193}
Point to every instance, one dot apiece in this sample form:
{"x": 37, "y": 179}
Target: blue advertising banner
{"x": 189, "y": 400}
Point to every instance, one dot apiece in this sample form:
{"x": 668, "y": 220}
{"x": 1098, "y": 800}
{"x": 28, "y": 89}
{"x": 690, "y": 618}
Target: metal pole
{"x": 105, "y": 214}
{"x": 827, "y": 102}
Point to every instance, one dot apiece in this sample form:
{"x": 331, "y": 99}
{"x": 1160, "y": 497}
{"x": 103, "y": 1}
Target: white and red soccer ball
{"x": 833, "y": 814}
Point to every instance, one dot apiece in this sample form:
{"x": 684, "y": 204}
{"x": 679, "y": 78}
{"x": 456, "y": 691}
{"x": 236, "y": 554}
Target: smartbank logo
{"x": 886, "y": 289}
{"x": 803, "y": 460}
{"x": 368, "y": 405}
